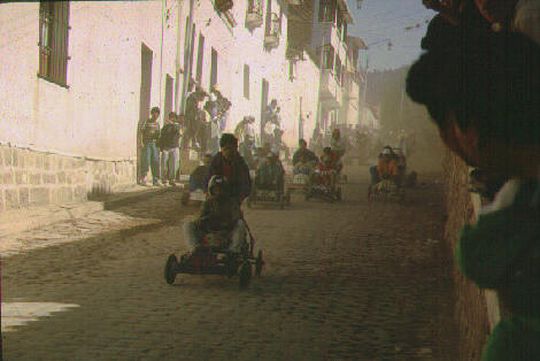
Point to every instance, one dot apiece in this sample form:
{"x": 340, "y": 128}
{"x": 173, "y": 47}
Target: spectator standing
{"x": 270, "y": 122}
{"x": 194, "y": 118}
{"x": 169, "y": 143}
{"x": 214, "y": 130}
{"x": 149, "y": 135}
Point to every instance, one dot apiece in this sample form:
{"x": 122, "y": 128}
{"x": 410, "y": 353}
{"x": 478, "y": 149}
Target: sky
{"x": 379, "y": 21}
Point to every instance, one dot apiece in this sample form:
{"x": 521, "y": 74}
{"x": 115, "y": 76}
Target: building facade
{"x": 77, "y": 77}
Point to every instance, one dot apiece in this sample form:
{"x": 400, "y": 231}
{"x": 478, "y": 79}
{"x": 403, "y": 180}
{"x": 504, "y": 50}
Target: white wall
{"x": 97, "y": 115}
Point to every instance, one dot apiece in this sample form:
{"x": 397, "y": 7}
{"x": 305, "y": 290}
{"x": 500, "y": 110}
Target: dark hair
{"x": 302, "y": 141}
{"x": 155, "y": 110}
{"x": 487, "y": 80}
{"x": 228, "y": 139}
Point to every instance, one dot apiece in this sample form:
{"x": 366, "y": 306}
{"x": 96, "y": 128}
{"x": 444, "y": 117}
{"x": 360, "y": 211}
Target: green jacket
{"x": 502, "y": 252}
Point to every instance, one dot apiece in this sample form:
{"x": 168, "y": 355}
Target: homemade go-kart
{"x": 213, "y": 258}
{"x": 269, "y": 191}
{"x": 386, "y": 190}
{"x": 273, "y": 194}
{"x": 298, "y": 182}
{"x": 324, "y": 185}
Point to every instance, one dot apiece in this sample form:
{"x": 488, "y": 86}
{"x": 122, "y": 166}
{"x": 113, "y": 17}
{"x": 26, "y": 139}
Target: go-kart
{"x": 298, "y": 182}
{"x": 214, "y": 258}
{"x": 273, "y": 194}
{"x": 386, "y": 190}
{"x": 324, "y": 185}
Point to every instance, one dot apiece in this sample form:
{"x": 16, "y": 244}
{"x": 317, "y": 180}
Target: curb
{"x": 21, "y": 220}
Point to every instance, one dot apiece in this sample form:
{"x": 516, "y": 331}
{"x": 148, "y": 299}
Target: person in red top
{"x": 329, "y": 166}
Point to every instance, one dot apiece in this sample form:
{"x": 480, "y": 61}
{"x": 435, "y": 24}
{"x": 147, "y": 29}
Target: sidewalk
{"x": 35, "y": 227}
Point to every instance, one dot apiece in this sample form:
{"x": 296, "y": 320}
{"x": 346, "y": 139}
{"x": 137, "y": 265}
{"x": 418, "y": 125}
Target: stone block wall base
{"x": 471, "y": 308}
{"x": 32, "y": 178}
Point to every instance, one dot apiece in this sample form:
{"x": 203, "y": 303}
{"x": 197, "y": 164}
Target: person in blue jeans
{"x": 149, "y": 136}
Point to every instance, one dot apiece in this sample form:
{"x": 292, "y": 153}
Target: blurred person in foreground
{"x": 482, "y": 89}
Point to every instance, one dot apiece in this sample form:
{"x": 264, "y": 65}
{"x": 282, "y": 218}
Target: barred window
{"x": 53, "y": 41}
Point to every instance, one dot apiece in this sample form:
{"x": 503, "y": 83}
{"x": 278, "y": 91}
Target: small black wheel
{"x": 288, "y": 197}
{"x": 245, "y": 274}
{"x": 339, "y": 196}
{"x": 231, "y": 265}
{"x": 185, "y": 199}
{"x": 170, "y": 269}
{"x": 259, "y": 263}
{"x": 248, "y": 201}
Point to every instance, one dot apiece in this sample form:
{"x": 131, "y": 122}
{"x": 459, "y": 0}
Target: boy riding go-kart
{"x": 269, "y": 183}
{"x": 386, "y": 176}
{"x": 304, "y": 164}
{"x": 218, "y": 239}
{"x": 324, "y": 181}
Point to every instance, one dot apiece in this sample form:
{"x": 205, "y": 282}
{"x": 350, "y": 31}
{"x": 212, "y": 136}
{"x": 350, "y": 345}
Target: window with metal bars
{"x": 53, "y": 41}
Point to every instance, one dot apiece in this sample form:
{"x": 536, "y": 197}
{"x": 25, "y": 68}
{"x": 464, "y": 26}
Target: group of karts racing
{"x": 227, "y": 246}
{"x": 212, "y": 247}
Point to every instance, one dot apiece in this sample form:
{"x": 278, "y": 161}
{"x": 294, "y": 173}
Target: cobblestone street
{"x": 342, "y": 281}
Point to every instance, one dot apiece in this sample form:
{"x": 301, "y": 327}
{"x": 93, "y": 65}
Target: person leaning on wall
{"x": 482, "y": 89}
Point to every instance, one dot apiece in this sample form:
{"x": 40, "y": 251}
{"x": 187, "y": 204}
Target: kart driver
{"x": 270, "y": 174}
{"x": 219, "y": 214}
{"x": 304, "y": 160}
{"x": 229, "y": 164}
{"x": 386, "y": 168}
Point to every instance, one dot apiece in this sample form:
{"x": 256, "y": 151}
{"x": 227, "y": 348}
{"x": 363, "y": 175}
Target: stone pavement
{"x": 343, "y": 281}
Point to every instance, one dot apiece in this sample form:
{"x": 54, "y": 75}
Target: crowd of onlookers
{"x": 479, "y": 78}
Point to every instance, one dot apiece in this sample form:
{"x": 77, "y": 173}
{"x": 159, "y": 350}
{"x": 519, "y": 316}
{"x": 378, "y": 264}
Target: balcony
{"x": 327, "y": 33}
{"x": 271, "y": 38}
{"x": 254, "y": 14}
{"x": 330, "y": 90}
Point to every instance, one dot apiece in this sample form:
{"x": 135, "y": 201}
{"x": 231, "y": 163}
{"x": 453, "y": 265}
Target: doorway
{"x": 145, "y": 95}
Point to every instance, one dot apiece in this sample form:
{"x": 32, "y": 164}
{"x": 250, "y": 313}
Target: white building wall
{"x": 97, "y": 114}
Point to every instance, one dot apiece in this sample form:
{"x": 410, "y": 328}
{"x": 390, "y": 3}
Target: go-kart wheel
{"x": 170, "y": 269}
{"x": 281, "y": 200}
{"x": 248, "y": 201}
{"x": 185, "y": 199}
{"x": 245, "y": 275}
{"x": 259, "y": 263}
{"x": 288, "y": 198}
{"x": 338, "y": 194}
{"x": 231, "y": 265}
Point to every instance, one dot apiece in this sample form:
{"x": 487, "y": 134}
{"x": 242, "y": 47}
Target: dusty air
{"x": 274, "y": 180}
